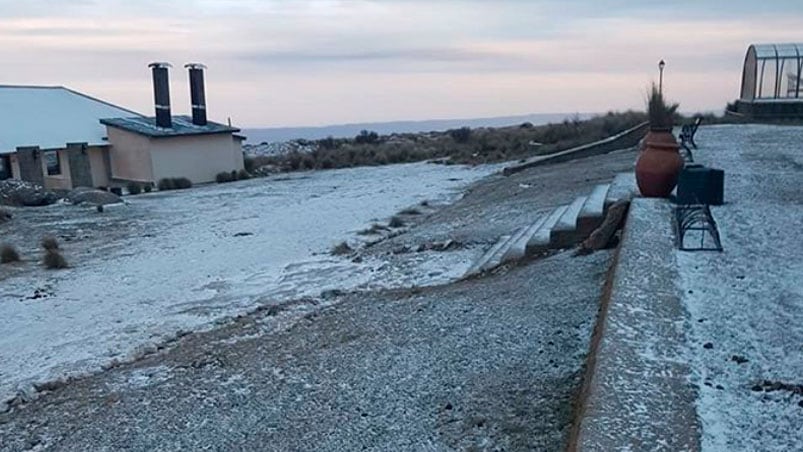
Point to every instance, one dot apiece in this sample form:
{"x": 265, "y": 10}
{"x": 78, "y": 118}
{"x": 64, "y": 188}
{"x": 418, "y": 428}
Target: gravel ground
{"x": 486, "y": 364}
{"x": 489, "y": 364}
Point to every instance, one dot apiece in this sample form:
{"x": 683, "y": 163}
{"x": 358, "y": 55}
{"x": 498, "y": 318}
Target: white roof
{"x": 52, "y": 116}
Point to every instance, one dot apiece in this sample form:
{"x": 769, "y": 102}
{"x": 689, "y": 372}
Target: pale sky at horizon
{"x": 302, "y": 63}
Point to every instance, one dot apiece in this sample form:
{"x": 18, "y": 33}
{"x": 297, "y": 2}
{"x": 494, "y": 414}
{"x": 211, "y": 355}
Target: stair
{"x": 565, "y": 232}
{"x": 518, "y": 246}
{"x": 564, "y": 227}
{"x": 593, "y": 211}
{"x": 482, "y": 263}
{"x": 622, "y": 187}
{"x": 540, "y": 239}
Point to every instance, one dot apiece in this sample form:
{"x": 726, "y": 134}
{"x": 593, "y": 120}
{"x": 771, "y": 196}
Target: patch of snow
{"x": 194, "y": 257}
{"x": 747, "y": 302}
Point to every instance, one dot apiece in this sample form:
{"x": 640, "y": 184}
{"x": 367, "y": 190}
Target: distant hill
{"x": 281, "y": 134}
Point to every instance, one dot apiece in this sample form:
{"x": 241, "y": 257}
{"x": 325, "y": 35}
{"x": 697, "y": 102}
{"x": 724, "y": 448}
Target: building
{"x": 61, "y": 139}
{"x": 771, "y": 82}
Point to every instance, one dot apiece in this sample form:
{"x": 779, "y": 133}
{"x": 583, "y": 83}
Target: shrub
{"x": 249, "y": 163}
{"x": 396, "y": 222}
{"x": 243, "y": 175}
{"x": 54, "y": 260}
{"x": 341, "y": 249}
{"x": 134, "y": 188}
{"x": 308, "y": 163}
{"x": 182, "y": 182}
{"x": 460, "y": 135}
{"x": 148, "y": 187}
{"x": 367, "y": 137}
{"x": 49, "y": 243}
{"x": 327, "y": 163}
{"x": 222, "y": 177}
{"x": 165, "y": 184}
{"x": 174, "y": 183}
{"x": 8, "y": 254}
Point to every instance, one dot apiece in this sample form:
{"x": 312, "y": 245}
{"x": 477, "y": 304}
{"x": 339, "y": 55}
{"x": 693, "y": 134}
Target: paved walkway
{"x": 704, "y": 351}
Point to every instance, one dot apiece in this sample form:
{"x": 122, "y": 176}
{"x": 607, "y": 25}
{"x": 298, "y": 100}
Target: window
{"x": 53, "y": 161}
{"x": 5, "y": 167}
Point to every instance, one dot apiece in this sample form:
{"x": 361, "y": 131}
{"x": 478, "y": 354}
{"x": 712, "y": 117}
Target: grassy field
{"x": 456, "y": 146}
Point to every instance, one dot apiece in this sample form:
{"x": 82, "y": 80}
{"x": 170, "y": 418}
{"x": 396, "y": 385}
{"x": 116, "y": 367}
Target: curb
{"x": 622, "y": 140}
{"x": 636, "y": 393}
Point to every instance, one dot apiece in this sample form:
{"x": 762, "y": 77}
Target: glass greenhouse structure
{"x": 771, "y": 81}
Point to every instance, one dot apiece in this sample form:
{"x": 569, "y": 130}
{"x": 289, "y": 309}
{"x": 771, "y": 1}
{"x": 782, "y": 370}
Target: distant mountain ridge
{"x": 282, "y": 134}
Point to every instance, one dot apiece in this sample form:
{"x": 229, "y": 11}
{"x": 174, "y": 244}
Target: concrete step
{"x": 518, "y": 247}
{"x": 483, "y": 260}
{"x": 565, "y": 233}
{"x": 539, "y": 241}
{"x": 623, "y": 186}
{"x": 593, "y": 211}
{"x": 496, "y": 259}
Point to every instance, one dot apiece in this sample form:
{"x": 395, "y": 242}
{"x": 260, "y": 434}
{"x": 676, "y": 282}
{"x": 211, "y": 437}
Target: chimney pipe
{"x": 161, "y": 94}
{"x": 197, "y": 93}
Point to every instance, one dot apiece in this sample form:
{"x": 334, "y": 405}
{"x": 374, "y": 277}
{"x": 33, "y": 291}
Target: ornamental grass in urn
{"x": 659, "y": 163}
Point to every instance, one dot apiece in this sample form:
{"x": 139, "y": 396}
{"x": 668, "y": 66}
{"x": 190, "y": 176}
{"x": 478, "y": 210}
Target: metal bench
{"x": 687, "y": 132}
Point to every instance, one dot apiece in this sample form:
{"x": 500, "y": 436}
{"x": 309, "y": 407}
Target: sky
{"x": 304, "y": 63}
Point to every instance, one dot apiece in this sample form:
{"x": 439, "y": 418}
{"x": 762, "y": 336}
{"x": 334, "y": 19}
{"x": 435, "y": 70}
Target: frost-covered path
{"x": 179, "y": 261}
{"x": 746, "y": 304}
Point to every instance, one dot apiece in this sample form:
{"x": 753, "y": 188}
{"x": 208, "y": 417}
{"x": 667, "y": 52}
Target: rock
{"x": 92, "y": 196}
{"x": 19, "y": 193}
{"x": 708, "y": 345}
{"x": 4, "y": 215}
{"x": 738, "y": 359}
{"x": 601, "y": 236}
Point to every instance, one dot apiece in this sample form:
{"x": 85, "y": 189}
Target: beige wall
{"x": 62, "y": 181}
{"x": 196, "y": 157}
{"x": 100, "y": 174}
{"x": 129, "y": 155}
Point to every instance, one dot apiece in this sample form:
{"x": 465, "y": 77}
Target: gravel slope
{"x": 488, "y": 364}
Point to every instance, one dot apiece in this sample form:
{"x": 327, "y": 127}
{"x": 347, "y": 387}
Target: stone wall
{"x": 30, "y": 164}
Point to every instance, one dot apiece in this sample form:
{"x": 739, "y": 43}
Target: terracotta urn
{"x": 659, "y": 164}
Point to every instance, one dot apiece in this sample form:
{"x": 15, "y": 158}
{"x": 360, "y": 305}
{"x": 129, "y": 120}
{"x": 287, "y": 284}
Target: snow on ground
{"x": 186, "y": 259}
{"x": 746, "y": 304}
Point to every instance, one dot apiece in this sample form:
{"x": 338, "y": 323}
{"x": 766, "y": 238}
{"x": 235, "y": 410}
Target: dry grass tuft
{"x": 341, "y": 249}
{"x": 8, "y": 254}
{"x": 54, "y": 260}
{"x": 49, "y": 243}
{"x": 396, "y": 222}
{"x": 410, "y": 211}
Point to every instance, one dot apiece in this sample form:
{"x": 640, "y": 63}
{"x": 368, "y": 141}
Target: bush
{"x": 460, "y": 135}
{"x": 174, "y": 183}
{"x": 49, "y": 243}
{"x": 8, "y": 254}
{"x": 165, "y": 184}
{"x": 222, "y": 177}
{"x": 341, "y": 249}
{"x": 182, "y": 183}
{"x": 249, "y": 163}
{"x": 396, "y": 222}
{"x": 243, "y": 175}
{"x": 54, "y": 260}
{"x": 367, "y": 137}
{"x": 134, "y": 188}
{"x": 148, "y": 187}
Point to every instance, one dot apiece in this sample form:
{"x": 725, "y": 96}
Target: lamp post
{"x": 661, "y": 65}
